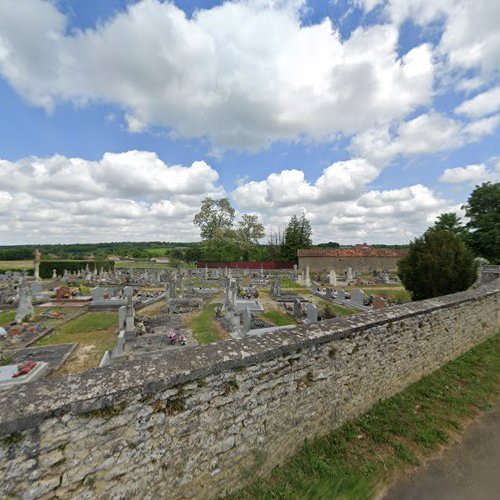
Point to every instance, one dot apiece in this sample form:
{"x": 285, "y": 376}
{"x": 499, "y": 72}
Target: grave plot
{"x": 95, "y": 333}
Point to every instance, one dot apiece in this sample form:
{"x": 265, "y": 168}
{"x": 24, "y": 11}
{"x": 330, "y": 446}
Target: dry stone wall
{"x": 198, "y": 422}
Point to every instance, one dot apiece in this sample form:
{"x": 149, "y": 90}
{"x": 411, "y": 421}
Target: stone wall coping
{"x": 27, "y": 406}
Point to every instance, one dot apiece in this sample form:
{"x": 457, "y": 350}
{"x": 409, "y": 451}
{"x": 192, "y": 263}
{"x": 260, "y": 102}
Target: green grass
{"x": 278, "y": 318}
{"x": 205, "y": 329}
{"x": 354, "y": 460}
{"x": 7, "y": 317}
{"x": 338, "y": 310}
{"x": 94, "y": 331}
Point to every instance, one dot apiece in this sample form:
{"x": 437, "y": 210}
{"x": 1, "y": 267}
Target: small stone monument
{"x": 358, "y": 297}
{"x": 333, "y": 278}
{"x": 307, "y": 278}
{"x": 312, "y": 313}
{"x": 25, "y": 308}
{"x": 36, "y": 264}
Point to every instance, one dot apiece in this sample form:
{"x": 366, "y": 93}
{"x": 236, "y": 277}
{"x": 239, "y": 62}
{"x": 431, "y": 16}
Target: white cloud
{"x": 470, "y": 39}
{"x": 427, "y": 133}
{"x": 124, "y": 196}
{"x": 340, "y": 207}
{"x": 243, "y": 74}
{"x": 483, "y": 104}
{"x": 343, "y": 180}
{"x": 473, "y": 174}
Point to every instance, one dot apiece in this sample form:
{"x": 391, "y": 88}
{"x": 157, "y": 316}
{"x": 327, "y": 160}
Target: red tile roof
{"x": 356, "y": 251}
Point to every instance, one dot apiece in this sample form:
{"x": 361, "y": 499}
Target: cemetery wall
{"x": 340, "y": 264}
{"x": 196, "y": 422}
{"x": 269, "y": 265}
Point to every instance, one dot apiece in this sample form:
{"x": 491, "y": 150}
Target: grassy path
{"x": 356, "y": 460}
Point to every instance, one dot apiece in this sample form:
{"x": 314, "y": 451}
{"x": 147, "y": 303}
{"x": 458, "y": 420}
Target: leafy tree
{"x": 450, "y": 222}
{"x": 483, "y": 211}
{"x": 437, "y": 263}
{"x": 223, "y": 245}
{"x": 214, "y": 215}
{"x": 298, "y": 234}
{"x": 250, "y": 230}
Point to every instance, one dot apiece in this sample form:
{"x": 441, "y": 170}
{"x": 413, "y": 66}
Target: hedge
{"x": 47, "y": 267}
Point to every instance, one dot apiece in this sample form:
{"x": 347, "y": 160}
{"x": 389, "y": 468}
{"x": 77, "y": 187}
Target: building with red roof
{"x": 361, "y": 258}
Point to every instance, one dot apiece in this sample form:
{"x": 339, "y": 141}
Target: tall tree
{"x": 214, "y": 215}
{"x": 437, "y": 263}
{"x": 450, "y": 222}
{"x": 250, "y": 230}
{"x": 298, "y": 234}
{"x": 483, "y": 211}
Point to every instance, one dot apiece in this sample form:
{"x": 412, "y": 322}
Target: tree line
{"x": 226, "y": 239}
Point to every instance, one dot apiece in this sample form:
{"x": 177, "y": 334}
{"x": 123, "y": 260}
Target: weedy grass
{"x": 204, "y": 327}
{"x": 278, "y": 318}
{"x": 354, "y": 460}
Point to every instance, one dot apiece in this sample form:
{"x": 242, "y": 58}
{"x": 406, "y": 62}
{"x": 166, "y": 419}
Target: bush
{"x": 47, "y": 267}
{"x": 438, "y": 263}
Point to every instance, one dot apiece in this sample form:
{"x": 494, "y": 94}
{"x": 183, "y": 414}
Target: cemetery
{"x": 88, "y": 317}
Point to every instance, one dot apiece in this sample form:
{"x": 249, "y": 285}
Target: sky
{"x": 371, "y": 117}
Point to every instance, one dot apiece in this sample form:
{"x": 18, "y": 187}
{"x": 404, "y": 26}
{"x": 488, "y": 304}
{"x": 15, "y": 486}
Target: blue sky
{"x": 117, "y": 118}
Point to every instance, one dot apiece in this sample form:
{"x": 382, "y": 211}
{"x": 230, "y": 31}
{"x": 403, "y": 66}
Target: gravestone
{"x": 128, "y": 291}
{"x": 307, "y": 278}
{"x": 329, "y": 293}
{"x": 349, "y": 276}
{"x": 247, "y": 320}
{"x": 25, "y": 307}
{"x": 341, "y": 295}
{"x": 97, "y": 293}
{"x": 358, "y": 297}
{"x": 36, "y": 287}
{"x": 297, "y": 308}
{"x": 312, "y": 313}
{"x": 333, "y": 278}
{"x": 122, "y": 313}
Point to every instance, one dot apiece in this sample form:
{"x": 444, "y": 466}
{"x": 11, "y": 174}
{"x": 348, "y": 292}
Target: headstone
{"x": 358, "y": 297}
{"x": 329, "y": 294}
{"x": 333, "y": 278}
{"x": 25, "y": 307}
{"x": 36, "y": 287}
{"x": 54, "y": 274}
{"x": 247, "y": 320}
{"x": 122, "y": 313}
{"x": 307, "y": 278}
{"x": 276, "y": 288}
{"x": 341, "y": 295}
{"x": 297, "y": 308}
{"x": 98, "y": 293}
{"x": 312, "y": 313}
{"x": 128, "y": 291}
{"x": 349, "y": 276}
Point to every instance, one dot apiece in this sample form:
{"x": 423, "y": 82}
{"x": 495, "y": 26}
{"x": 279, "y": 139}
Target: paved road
{"x": 468, "y": 471}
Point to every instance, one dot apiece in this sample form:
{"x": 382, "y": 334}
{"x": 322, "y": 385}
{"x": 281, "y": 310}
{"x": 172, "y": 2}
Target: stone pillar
{"x": 333, "y": 278}
{"x": 307, "y": 279}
